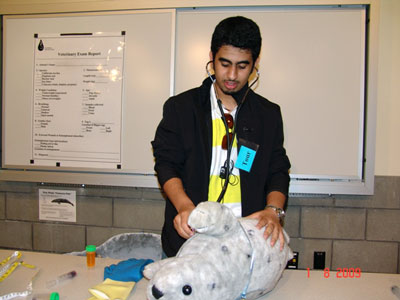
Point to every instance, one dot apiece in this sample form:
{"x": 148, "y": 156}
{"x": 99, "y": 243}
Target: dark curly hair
{"x": 239, "y": 32}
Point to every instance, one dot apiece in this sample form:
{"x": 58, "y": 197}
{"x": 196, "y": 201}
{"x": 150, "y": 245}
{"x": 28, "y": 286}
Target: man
{"x": 223, "y": 142}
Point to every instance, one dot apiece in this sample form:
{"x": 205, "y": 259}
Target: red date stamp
{"x": 341, "y": 273}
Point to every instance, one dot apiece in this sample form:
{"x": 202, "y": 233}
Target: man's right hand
{"x": 181, "y": 221}
{"x": 184, "y": 206}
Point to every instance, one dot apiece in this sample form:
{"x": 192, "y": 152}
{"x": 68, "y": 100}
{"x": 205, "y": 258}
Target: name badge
{"x": 246, "y": 155}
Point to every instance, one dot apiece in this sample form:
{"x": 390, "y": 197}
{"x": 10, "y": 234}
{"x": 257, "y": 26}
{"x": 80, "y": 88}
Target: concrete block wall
{"x": 102, "y": 212}
{"x": 354, "y": 231}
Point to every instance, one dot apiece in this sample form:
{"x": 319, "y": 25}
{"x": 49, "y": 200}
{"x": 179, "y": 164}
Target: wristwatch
{"x": 279, "y": 211}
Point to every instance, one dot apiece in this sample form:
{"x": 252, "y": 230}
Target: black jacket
{"x": 182, "y": 148}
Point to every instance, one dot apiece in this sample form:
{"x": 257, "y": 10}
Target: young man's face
{"x": 232, "y": 67}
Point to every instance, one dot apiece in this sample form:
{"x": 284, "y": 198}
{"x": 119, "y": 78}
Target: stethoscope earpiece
{"x": 208, "y": 72}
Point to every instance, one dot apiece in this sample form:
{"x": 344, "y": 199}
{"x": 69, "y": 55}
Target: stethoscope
{"x": 227, "y": 169}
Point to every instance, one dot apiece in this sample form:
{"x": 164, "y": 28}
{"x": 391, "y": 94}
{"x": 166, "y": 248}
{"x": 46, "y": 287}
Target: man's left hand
{"x": 273, "y": 228}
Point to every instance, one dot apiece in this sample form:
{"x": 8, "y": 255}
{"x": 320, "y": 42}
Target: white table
{"x": 294, "y": 284}
{"x": 53, "y": 265}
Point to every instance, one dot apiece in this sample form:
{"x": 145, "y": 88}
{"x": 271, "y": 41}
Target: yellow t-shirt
{"x": 232, "y": 197}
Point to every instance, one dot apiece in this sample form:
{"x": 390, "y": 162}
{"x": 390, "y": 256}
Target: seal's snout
{"x": 156, "y": 292}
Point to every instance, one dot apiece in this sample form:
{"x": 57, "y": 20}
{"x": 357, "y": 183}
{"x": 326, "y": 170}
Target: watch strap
{"x": 279, "y": 211}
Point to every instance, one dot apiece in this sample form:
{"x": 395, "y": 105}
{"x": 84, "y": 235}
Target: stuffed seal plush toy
{"x": 227, "y": 259}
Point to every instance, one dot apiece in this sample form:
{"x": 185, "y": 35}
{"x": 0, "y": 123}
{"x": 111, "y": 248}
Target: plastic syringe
{"x": 60, "y": 279}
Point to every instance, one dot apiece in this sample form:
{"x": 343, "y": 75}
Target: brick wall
{"x": 354, "y": 231}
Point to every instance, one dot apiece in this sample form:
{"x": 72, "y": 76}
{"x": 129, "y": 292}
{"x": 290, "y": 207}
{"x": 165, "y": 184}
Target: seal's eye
{"x": 187, "y": 290}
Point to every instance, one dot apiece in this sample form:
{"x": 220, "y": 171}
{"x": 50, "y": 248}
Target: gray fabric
{"x": 129, "y": 245}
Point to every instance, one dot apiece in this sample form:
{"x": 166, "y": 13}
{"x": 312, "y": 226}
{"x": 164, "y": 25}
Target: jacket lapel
{"x": 203, "y": 114}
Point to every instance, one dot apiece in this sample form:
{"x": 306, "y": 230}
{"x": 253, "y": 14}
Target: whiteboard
{"x": 147, "y": 82}
{"x": 313, "y": 64}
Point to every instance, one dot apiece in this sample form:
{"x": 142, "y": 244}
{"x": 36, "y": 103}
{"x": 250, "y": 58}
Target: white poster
{"x": 78, "y": 100}
{"x": 57, "y": 205}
